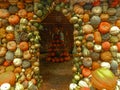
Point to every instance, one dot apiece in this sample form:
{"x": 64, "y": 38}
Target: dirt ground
{"x": 56, "y": 76}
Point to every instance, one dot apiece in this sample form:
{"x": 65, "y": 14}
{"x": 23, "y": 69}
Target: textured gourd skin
{"x": 103, "y": 78}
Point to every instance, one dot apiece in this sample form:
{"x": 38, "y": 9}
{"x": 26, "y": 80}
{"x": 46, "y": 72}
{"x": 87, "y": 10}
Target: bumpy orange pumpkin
{"x": 22, "y": 13}
{"x": 103, "y": 78}
{"x": 78, "y": 9}
{"x": 104, "y": 27}
{"x": 13, "y": 19}
{"x": 10, "y": 36}
{"x": 24, "y": 46}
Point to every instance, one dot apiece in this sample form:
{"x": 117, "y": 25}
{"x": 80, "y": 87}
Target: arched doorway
{"x": 56, "y": 72}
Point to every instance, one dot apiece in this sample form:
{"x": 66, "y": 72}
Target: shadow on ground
{"x": 56, "y": 76}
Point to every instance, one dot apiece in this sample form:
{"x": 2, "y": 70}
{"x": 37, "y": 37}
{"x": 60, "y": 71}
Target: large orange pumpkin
{"x": 103, "y": 78}
{"x": 104, "y": 27}
{"x": 13, "y": 19}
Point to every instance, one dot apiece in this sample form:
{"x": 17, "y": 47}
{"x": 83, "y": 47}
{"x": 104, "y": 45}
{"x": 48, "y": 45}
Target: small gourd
{"x": 3, "y": 51}
{"x": 18, "y": 52}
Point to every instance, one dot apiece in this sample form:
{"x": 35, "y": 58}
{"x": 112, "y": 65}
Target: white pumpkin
{"x": 97, "y": 48}
{"x": 5, "y": 86}
{"x": 82, "y": 83}
{"x": 10, "y": 28}
{"x": 114, "y": 30}
{"x": 17, "y": 61}
{"x": 72, "y": 86}
{"x": 105, "y": 65}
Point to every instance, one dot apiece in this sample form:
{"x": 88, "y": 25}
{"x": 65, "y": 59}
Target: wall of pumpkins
{"x": 96, "y": 53}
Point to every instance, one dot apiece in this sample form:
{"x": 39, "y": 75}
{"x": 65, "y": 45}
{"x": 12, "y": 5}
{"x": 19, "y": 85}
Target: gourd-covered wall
{"x": 96, "y": 42}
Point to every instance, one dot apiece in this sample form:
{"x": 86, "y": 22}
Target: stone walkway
{"x": 56, "y": 76}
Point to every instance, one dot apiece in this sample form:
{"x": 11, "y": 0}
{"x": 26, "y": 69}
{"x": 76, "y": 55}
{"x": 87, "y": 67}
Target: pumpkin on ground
{"x": 103, "y": 78}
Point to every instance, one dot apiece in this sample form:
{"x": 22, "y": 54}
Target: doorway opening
{"x": 56, "y": 52}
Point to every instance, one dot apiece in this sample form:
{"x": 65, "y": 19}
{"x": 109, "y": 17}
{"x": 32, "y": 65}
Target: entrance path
{"x": 56, "y": 76}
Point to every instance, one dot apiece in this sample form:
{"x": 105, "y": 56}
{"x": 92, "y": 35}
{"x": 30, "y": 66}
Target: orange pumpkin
{"x": 118, "y": 46}
{"x": 20, "y": 5}
{"x": 24, "y": 46}
{"x": 104, "y": 16}
{"x": 10, "y": 36}
{"x": 104, "y": 27}
{"x": 103, "y": 78}
{"x": 106, "y": 45}
{"x": 86, "y": 17}
{"x": 30, "y": 15}
{"x": 95, "y": 65}
{"x": 86, "y": 72}
{"x": 97, "y": 37}
{"x": 117, "y": 23}
{"x": 22, "y": 13}
{"x": 78, "y": 9}
{"x": 13, "y": 19}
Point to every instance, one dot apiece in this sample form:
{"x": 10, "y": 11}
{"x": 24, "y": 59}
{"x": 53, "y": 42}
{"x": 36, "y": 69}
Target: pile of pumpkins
{"x": 19, "y": 45}
{"x": 96, "y": 45}
{"x": 96, "y": 42}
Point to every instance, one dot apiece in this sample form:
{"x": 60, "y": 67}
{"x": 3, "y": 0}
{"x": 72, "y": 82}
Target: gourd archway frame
{"x": 68, "y": 12}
